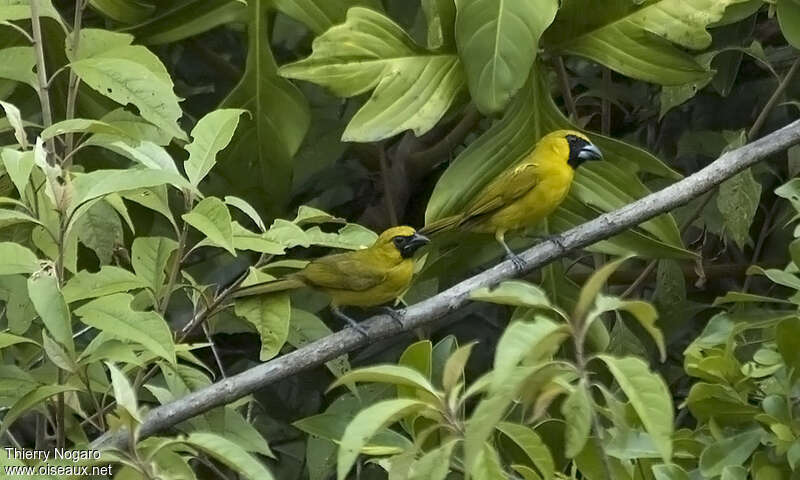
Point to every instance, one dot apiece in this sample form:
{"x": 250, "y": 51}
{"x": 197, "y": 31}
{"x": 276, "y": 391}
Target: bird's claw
{"x": 556, "y": 239}
{"x": 350, "y": 322}
{"x": 396, "y": 315}
{"x": 518, "y": 262}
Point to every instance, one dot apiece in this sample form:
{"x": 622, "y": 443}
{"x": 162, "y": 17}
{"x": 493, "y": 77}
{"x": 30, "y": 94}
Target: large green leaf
{"x": 186, "y": 19}
{"x": 99, "y": 183}
{"x": 270, "y": 315}
{"x": 533, "y": 446}
{"x": 789, "y": 20}
{"x": 14, "y": 258}
{"x": 113, "y": 314}
{"x": 729, "y": 451}
{"x": 30, "y": 400}
{"x": 230, "y": 454}
{"x": 125, "y": 73}
{"x": 578, "y": 412}
{"x": 18, "y": 63}
{"x": 497, "y": 41}
{"x": 124, "y": 11}
{"x": 107, "y": 281}
{"x": 441, "y": 17}
{"x": 212, "y": 218}
{"x": 414, "y": 87}
{"x": 320, "y": 15}
{"x": 649, "y": 396}
{"x": 211, "y": 134}
{"x": 49, "y": 303}
{"x": 366, "y": 423}
{"x": 258, "y": 162}
{"x": 636, "y": 38}
{"x": 531, "y": 115}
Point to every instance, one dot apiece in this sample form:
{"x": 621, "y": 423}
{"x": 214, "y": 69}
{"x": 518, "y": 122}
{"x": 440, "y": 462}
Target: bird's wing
{"x": 510, "y": 185}
{"x": 343, "y": 272}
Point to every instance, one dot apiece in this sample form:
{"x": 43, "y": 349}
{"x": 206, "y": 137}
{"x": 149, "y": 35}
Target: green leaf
{"x": 81, "y": 125}
{"x": 15, "y": 258}
{"x": 149, "y": 257}
{"x": 123, "y": 11}
{"x": 230, "y": 454}
{"x": 416, "y": 356}
{"x": 52, "y": 309}
{"x": 441, "y": 18}
{"x": 648, "y": 395}
{"x": 320, "y": 15}
{"x": 7, "y": 339}
{"x": 18, "y": 65}
{"x": 636, "y": 39}
{"x": 18, "y": 165}
{"x": 211, "y": 135}
{"x": 127, "y": 74}
{"x": 735, "y": 472}
{"x": 743, "y": 297}
{"x": 154, "y": 198}
{"x": 533, "y": 446}
{"x": 103, "y": 182}
{"x": 212, "y": 218}
{"x": 236, "y": 428}
{"x": 670, "y": 472}
{"x": 366, "y": 423}
{"x": 414, "y": 88}
{"x": 454, "y": 367}
{"x": 434, "y": 465}
{"x": 187, "y": 19}
{"x": 107, "y": 281}
{"x": 738, "y": 201}
{"x": 113, "y": 314}
{"x": 532, "y": 341}
{"x": 513, "y": 292}
{"x": 304, "y": 328}
{"x": 269, "y": 314}
{"x": 14, "y": 217}
{"x": 247, "y": 209}
{"x": 729, "y": 451}
{"x": 100, "y": 230}
{"x": 642, "y": 311}
{"x": 331, "y": 426}
{"x": 487, "y": 464}
{"x": 144, "y": 152}
{"x": 30, "y": 400}
{"x": 789, "y": 20}
{"x": 497, "y": 41}
{"x": 15, "y": 120}
{"x": 57, "y": 354}
{"x": 123, "y": 392}
{"x": 259, "y": 158}
{"x": 786, "y": 336}
{"x": 21, "y": 10}
{"x": 593, "y": 286}
{"x": 577, "y": 412}
{"x": 394, "y": 374}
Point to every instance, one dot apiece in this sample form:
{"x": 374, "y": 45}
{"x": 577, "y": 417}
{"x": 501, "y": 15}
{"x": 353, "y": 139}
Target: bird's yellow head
{"x": 570, "y": 145}
{"x": 400, "y": 242}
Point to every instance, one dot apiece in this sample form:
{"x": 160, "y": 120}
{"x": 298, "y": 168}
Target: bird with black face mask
{"x": 526, "y": 192}
{"x": 370, "y": 277}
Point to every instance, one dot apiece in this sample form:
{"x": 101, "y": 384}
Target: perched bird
{"x": 526, "y": 192}
{"x": 363, "y": 278}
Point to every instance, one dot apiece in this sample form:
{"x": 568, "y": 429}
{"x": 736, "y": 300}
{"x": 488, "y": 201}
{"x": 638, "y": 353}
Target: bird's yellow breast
{"x": 535, "y": 205}
{"x": 396, "y": 283}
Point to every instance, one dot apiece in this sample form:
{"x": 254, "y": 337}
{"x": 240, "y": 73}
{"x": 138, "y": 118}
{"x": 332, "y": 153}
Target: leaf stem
{"x": 74, "y": 81}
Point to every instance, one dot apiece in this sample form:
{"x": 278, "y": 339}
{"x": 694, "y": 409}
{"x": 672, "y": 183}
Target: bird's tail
{"x": 441, "y": 225}
{"x": 269, "y": 287}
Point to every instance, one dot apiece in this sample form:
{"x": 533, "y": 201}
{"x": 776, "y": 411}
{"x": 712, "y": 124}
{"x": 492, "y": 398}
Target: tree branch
{"x": 382, "y": 326}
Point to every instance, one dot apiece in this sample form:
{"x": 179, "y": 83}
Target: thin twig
{"x": 383, "y": 326}
{"x": 388, "y": 192}
{"x": 762, "y": 238}
{"x": 773, "y": 100}
{"x": 605, "y": 104}
{"x": 41, "y": 72}
{"x": 214, "y": 350}
{"x": 74, "y": 81}
{"x": 566, "y": 90}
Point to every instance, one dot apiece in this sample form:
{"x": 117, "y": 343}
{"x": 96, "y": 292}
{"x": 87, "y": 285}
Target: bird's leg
{"x": 556, "y": 238}
{"x": 396, "y": 314}
{"x": 519, "y": 264}
{"x": 341, "y": 315}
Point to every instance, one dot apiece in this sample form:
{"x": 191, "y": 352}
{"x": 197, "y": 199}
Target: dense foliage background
{"x": 160, "y": 155}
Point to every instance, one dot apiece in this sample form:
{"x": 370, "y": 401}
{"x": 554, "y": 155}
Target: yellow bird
{"x": 526, "y": 192}
{"x": 363, "y": 278}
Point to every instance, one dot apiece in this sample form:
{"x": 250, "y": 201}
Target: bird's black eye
{"x": 400, "y": 242}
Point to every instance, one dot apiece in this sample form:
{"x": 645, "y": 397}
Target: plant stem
{"x": 773, "y": 100}
{"x": 566, "y": 91}
{"x": 388, "y": 194}
{"x": 43, "y": 89}
{"x": 173, "y": 272}
{"x": 74, "y": 82}
{"x": 605, "y": 105}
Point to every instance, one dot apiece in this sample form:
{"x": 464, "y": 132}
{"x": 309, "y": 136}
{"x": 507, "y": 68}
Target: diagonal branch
{"x": 382, "y": 326}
